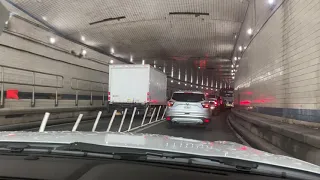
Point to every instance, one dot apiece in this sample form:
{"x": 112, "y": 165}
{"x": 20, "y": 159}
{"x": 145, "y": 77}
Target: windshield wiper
{"x": 86, "y": 149}
{"x": 138, "y": 154}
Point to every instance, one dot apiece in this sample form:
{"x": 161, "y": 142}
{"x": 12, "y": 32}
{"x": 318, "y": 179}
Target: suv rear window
{"x": 212, "y": 96}
{"x": 188, "y": 97}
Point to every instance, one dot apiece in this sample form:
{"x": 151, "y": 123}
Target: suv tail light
{"x": 170, "y": 103}
{"x": 205, "y": 105}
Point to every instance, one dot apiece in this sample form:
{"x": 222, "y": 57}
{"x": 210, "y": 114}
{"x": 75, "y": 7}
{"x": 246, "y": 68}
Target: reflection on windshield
{"x": 227, "y": 78}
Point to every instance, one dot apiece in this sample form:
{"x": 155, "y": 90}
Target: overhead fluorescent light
{"x": 108, "y": 19}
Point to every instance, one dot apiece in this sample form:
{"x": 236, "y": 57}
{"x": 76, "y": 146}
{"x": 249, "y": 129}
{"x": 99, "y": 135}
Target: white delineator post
{"x": 44, "y": 122}
{"x": 132, "y": 117}
{"x": 96, "y": 121}
{"x": 145, "y": 115}
{"x": 111, "y": 121}
{"x": 164, "y": 112}
{"x": 77, "y": 123}
{"x": 158, "y": 113}
{"x": 123, "y": 117}
{"x": 152, "y": 115}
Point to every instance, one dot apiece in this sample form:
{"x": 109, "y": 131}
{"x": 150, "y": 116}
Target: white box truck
{"x": 133, "y": 85}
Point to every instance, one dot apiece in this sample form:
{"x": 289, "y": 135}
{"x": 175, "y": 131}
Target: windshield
{"x": 236, "y": 79}
{"x": 188, "y": 97}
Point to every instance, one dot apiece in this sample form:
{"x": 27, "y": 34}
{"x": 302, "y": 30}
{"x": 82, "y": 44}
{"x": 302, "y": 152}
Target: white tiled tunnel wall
{"x": 280, "y": 68}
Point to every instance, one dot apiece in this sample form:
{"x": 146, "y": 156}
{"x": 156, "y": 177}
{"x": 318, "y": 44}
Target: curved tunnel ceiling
{"x": 183, "y": 34}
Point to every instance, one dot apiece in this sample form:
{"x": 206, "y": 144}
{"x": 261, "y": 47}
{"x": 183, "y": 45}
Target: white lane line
{"x": 148, "y": 126}
{"x": 238, "y": 135}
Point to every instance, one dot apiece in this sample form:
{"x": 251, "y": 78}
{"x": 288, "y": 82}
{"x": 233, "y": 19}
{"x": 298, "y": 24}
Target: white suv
{"x": 188, "y": 107}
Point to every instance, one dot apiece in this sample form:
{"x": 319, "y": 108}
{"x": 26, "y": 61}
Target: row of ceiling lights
{"x": 242, "y": 48}
{"x": 84, "y": 53}
{"x": 52, "y": 40}
{"x": 172, "y": 81}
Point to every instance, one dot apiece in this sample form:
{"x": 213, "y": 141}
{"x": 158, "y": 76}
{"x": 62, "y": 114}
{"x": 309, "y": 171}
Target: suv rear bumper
{"x": 188, "y": 120}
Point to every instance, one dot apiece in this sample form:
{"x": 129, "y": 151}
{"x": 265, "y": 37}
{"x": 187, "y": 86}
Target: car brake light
{"x": 205, "y": 105}
{"x": 206, "y": 120}
{"x": 170, "y": 103}
{"x": 168, "y": 118}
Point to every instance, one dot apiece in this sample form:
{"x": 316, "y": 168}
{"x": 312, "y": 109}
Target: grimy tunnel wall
{"x": 278, "y": 79}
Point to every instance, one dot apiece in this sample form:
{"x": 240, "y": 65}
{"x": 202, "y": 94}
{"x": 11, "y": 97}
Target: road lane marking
{"x": 238, "y": 135}
{"x": 146, "y": 127}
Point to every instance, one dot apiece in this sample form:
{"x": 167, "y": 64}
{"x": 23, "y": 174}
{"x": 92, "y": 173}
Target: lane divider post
{"x": 158, "y": 113}
{"x": 123, "y": 117}
{"x": 154, "y": 110}
{"x": 44, "y": 122}
{"x": 96, "y": 121}
{"x": 132, "y": 117}
{"x": 164, "y": 112}
{"x": 111, "y": 121}
{"x": 145, "y": 115}
{"x": 75, "y": 126}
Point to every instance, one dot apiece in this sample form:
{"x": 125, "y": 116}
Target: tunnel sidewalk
{"x": 296, "y": 140}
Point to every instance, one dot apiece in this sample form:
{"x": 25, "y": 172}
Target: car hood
{"x": 161, "y": 143}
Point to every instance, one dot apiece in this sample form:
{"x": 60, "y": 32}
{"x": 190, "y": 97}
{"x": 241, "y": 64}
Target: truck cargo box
{"x": 136, "y": 84}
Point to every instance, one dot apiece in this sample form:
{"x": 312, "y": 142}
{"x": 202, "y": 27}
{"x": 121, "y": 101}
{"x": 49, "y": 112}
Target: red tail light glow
{"x": 170, "y": 103}
{"x": 168, "y": 118}
{"x": 205, "y": 105}
{"x": 206, "y": 120}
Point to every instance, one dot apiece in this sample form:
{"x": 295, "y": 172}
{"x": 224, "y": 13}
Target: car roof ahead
{"x": 194, "y": 92}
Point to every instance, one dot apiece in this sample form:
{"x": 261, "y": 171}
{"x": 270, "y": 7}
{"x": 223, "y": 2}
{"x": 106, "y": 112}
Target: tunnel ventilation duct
{"x": 196, "y": 14}
{"x": 108, "y": 19}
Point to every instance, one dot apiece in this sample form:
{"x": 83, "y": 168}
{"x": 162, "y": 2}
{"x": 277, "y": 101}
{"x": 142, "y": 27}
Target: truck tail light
{"x": 205, "y": 105}
{"x": 148, "y": 97}
{"x": 170, "y": 103}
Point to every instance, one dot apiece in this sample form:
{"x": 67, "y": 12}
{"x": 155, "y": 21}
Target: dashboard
{"x": 82, "y": 168}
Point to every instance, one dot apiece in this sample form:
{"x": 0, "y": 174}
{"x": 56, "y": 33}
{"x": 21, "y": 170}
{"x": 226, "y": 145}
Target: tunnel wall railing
{"x": 91, "y": 90}
{"x": 278, "y": 137}
{"x": 33, "y": 84}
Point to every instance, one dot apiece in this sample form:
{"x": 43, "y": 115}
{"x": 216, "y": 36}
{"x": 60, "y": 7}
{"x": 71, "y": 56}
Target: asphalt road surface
{"x": 220, "y": 129}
